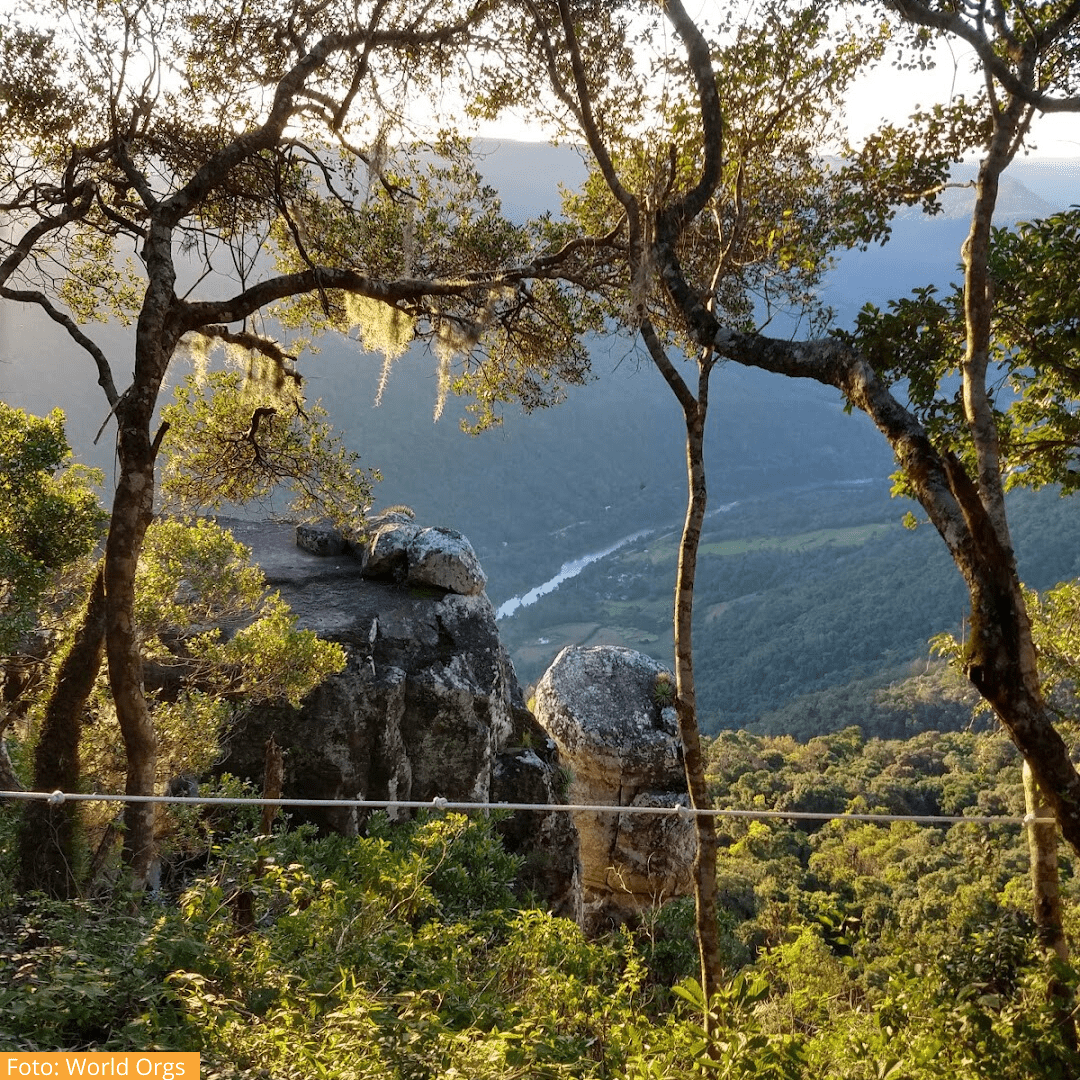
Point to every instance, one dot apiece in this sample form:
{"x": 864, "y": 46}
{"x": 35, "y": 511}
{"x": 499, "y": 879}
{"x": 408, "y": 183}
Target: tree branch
{"x": 30, "y": 296}
{"x": 253, "y": 342}
{"x": 666, "y": 368}
{"x": 195, "y": 314}
{"x": 587, "y": 117}
{"x": 712, "y": 125}
{"x": 289, "y": 87}
{"x": 922, "y": 14}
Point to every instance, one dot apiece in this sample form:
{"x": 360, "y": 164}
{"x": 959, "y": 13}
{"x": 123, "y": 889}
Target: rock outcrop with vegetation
{"x": 428, "y": 705}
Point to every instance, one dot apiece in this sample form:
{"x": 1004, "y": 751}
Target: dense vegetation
{"x": 853, "y": 950}
{"x": 278, "y": 174}
{"x": 810, "y": 606}
{"x": 850, "y": 949}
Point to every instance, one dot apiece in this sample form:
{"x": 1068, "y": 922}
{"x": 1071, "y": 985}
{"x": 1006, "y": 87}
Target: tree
{"x": 192, "y": 578}
{"x": 719, "y": 201}
{"x": 1032, "y": 349}
{"x": 678, "y": 201}
{"x": 195, "y": 168}
{"x": 49, "y": 519}
{"x": 1028, "y": 55}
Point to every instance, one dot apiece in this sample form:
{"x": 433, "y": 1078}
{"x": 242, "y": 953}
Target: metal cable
{"x": 57, "y": 798}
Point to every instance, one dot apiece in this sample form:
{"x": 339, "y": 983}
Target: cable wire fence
{"x": 680, "y": 810}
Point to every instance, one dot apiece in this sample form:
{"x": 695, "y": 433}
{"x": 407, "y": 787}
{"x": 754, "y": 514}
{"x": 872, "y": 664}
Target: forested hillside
{"x": 810, "y": 603}
{"x": 795, "y": 611}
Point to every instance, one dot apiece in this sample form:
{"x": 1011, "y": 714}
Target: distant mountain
{"x": 925, "y": 250}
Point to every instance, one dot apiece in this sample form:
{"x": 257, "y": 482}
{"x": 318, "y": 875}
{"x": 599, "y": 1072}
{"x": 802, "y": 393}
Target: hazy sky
{"x": 885, "y": 93}
{"x": 892, "y": 95}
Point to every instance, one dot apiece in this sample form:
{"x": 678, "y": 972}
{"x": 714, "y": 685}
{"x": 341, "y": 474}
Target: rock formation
{"x": 607, "y": 709}
{"x": 396, "y": 548}
{"x": 428, "y": 705}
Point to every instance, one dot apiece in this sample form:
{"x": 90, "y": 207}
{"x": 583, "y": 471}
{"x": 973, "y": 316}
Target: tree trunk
{"x": 49, "y": 835}
{"x": 273, "y": 781}
{"x": 686, "y": 708}
{"x": 694, "y": 411}
{"x": 17, "y": 675}
{"x": 1043, "y": 849}
{"x": 1046, "y": 895}
{"x": 9, "y": 780}
{"x": 131, "y": 515}
{"x": 156, "y": 335}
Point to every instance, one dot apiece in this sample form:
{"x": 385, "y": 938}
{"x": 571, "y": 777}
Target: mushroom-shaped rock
{"x": 608, "y": 711}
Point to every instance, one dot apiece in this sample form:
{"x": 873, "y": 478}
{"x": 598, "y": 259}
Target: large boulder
{"x": 428, "y": 705}
{"x": 608, "y": 710}
{"x": 399, "y": 549}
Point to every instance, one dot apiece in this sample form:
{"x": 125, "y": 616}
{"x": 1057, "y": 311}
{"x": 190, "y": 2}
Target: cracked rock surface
{"x": 427, "y": 706}
{"x": 604, "y": 707}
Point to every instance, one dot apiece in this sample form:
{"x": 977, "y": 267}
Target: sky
{"x": 892, "y": 95}
{"x": 886, "y": 94}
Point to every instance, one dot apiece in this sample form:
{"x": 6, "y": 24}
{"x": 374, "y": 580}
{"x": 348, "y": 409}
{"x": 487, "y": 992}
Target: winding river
{"x": 571, "y": 569}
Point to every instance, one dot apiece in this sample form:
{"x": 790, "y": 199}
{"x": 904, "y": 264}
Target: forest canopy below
{"x": 852, "y": 950}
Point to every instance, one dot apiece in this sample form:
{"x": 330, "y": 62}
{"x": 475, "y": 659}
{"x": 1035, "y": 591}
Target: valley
{"x": 808, "y": 583}
{"x": 800, "y": 594}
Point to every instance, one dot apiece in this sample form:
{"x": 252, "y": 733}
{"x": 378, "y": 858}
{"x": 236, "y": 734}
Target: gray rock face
{"x": 549, "y": 842}
{"x": 423, "y": 555}
{"x": 321, "y": 539}
{"x": 603, "y": 708}
{"x": 427, "y": 706}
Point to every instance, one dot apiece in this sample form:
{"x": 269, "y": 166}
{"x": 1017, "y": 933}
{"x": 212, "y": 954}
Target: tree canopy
{"x": 249, "y": 178}
{"x": 918, "y": 343}
{"x": 49, "y": 515}
{"x": 198, "y": 170}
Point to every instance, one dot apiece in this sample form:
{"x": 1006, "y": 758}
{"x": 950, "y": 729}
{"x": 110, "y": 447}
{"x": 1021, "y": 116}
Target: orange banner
{"x": 155, "y": 1065}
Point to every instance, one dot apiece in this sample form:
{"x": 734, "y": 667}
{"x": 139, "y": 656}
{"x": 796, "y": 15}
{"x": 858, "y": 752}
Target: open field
{"x": 666, "y": 549}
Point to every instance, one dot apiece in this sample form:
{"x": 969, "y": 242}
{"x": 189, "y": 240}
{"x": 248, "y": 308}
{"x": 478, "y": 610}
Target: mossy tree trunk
{"x": 49, "y": 835}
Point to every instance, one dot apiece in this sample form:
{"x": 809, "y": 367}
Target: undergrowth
{"x": 404, "y": 955}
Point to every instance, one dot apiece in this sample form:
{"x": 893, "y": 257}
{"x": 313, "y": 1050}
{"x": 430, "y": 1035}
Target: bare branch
{"x": 77, "y": 203}
{"x": 30, "y": 296}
